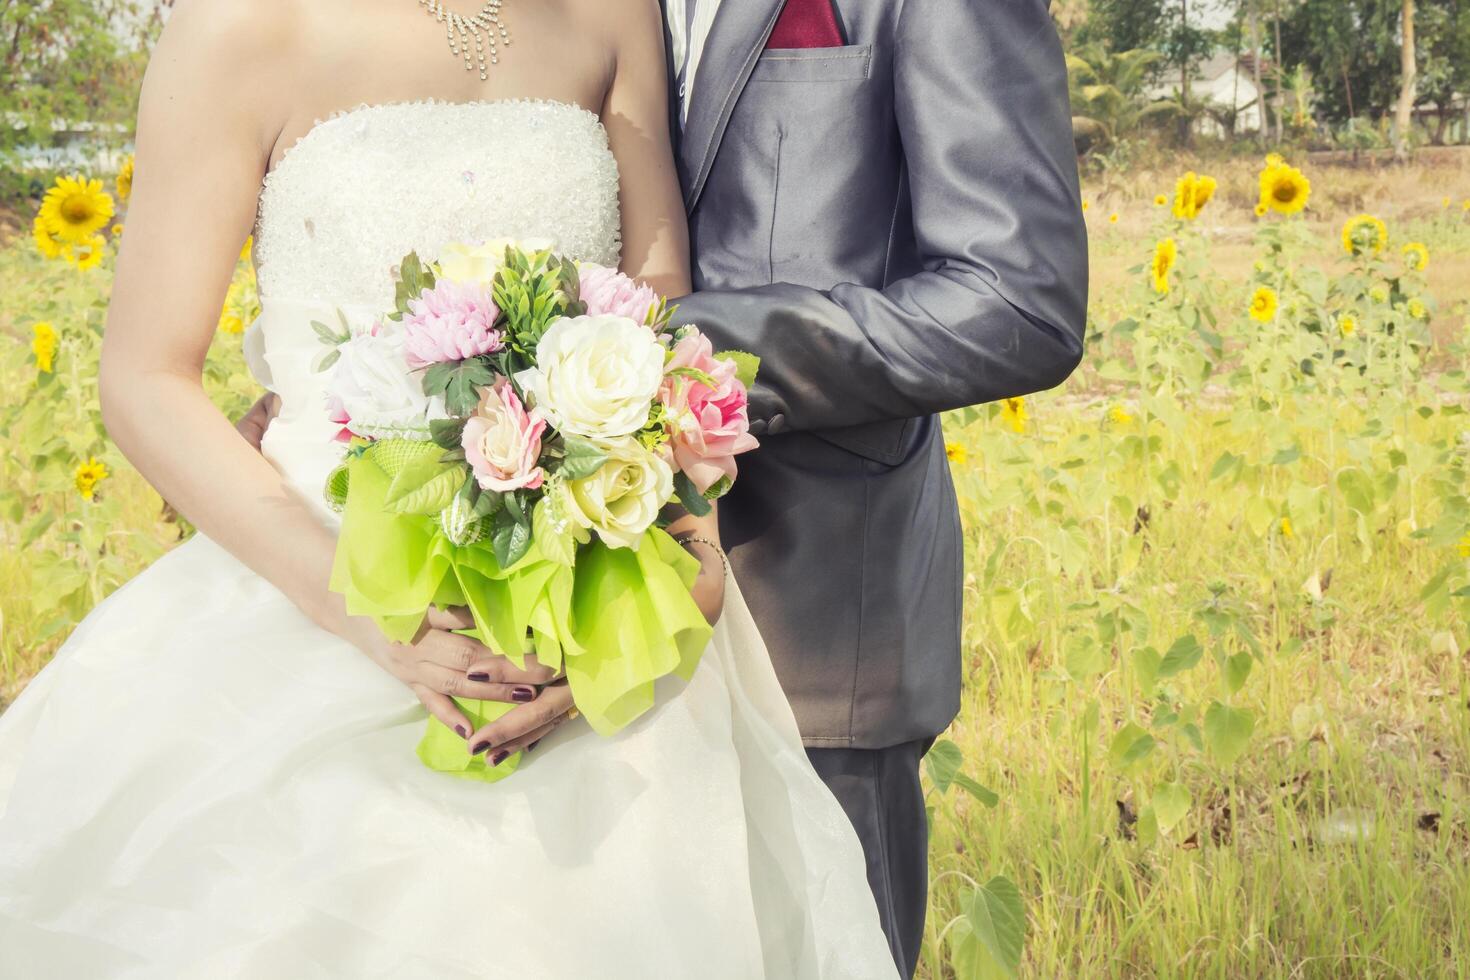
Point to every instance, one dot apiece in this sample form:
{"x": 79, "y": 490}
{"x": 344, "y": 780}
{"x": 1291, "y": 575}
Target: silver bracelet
{"x": 686, "y": 538}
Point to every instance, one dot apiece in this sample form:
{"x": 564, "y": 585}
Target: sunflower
{"x": 125, "y": 180}
{"x": 245, "y": 249}
{"x": 1166, "y": 253}
{"x": 1286, "y": 529}
{"x": 1085, "y": 205}
{"x": 1113, "y": 218}
{"x": 1160, "y": 200}
{"x": 1378, "y": 293}
{"x": 1264, "y": 303}
{"x": 1274, "y": 159}
{"x": 88, "y": 475}
{"x": 1284, "y": 188}
{"x": 117, "y": 230}
{"x": 1013, "y": 411}
{"x": 88, "y": 256}
{"x": 1191, "y": 194}
{"x": 955, "y": 452}
{"x": 1463, "y": 547}
{"x": 1261, "y": 209}
{"x": 44, "y": 342}
{"x": 1118, "y": 415}
{"x": 242, "y": 304}
{"x": 1346, "y": 324}
{"x": 1417, "y": 256}
{"x": 1417, "y": 309}
{"x": 46, "y": 242}
{"x": 1364, "y": 233}
{"x": 75, "y": 209}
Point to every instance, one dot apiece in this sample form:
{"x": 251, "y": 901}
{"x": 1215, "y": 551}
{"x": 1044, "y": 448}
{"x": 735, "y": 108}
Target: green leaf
{"x": 510, "y": 542}
{"x": 1170, "y": 805}
{"x": 1183, "y": 654}
{"x": 560, "y": 547}
{"x": 580, "y": 458}
{"x": 1146, "y": 662}
{"x": 447, "y": 433}
{"x": 943, "y": 761}
{"x": 987, "y": 797}
{"x": 1227, "y": 732}
{"x": 1132, "y": 744}
{"x": 1237, "y": 669}
{"x": 690, "y": 496}
{"x": 747, "y": 365}
{"x": 425, "y": 486}
{"x": 990, "y": 939}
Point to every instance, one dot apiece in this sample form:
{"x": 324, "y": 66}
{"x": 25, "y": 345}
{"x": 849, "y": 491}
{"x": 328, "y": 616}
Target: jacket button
{"x": 777, "y": 424}
{"x": 757, "y": 427}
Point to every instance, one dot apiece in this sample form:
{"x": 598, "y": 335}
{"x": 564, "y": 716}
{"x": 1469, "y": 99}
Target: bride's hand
{"x": 439, "y": 665}
{"x": 252, "y": 424}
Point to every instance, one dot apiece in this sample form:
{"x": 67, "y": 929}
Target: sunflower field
{"x": 1217, "y": 720}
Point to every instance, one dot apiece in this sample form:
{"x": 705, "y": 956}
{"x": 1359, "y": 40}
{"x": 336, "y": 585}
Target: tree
{"x": 1107, "y": 91}
{"x": 1125, "y": 25}
{"x": 69, "y": 61}
{"x": 1408, "y": 90}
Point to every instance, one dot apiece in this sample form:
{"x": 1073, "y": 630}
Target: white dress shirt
{"x": 689, "y": 24}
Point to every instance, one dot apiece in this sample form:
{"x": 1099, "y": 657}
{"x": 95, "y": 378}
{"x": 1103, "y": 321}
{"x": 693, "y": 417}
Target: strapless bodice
{"x": 366, "y": 186}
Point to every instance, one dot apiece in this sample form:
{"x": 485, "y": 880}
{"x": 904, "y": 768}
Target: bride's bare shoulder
{"x": 245, "y": 27}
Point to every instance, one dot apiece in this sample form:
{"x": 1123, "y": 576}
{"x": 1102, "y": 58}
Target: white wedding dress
{"x": 205, "y": 784}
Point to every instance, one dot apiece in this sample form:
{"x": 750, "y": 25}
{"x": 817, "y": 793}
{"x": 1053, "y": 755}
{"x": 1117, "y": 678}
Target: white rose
{"x": 381, "y": 395}
{"x": 480, "y": 263}
{"x": 622, "y": 499}
{"x": 596, "y": 376}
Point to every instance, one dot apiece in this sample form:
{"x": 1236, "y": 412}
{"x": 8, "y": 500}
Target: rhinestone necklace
{"x": 460, "y": 29}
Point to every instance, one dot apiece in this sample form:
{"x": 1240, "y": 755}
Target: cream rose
{"x": 595, "y": 376}
{"x": 622, "y": 499}
{"x": 480, "y": 263}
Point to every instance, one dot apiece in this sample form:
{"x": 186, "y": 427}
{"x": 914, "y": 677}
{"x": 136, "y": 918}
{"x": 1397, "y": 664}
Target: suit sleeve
{"x": 1000, "y": 307}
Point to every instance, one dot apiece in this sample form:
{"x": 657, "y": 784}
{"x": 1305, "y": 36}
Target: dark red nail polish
{"x": 533, "y": 745}
{"x": 479, "y": 677}
{"x": 481, "y": 747}
{"x": 499, "y": 757}
{"x": 523, "y": 694}
{"x": 459, "y": 730}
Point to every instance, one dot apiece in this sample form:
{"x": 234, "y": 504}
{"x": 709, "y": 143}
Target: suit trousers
{"x": 881, "y": 793}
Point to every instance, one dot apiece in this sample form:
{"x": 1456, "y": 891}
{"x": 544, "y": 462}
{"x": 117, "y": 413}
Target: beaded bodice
{"x": 367, "y": 185}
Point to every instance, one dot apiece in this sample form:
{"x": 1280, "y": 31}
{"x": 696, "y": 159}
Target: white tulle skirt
{"x": 205, "y": 784}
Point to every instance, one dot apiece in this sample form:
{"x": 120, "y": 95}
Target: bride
{"x": 216, "y": 776}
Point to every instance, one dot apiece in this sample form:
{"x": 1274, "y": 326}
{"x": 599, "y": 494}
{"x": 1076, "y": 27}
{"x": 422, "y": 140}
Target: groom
{"x": 883, "y": 204}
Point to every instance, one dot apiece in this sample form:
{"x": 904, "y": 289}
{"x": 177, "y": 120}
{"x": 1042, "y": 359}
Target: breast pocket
{"x": 844, "y": 64}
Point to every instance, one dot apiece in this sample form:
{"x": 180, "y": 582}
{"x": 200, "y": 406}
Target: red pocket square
{"x": 806, "y": 24}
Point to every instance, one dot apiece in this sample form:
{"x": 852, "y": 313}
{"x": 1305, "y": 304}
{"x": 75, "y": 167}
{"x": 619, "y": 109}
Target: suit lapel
{"x": 672, "y": 70}
{"x": 735, "y": 41}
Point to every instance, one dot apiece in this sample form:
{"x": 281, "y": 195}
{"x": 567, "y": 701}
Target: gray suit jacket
{"x": 895, "y": 227}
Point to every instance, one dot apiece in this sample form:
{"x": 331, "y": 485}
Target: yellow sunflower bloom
{"x": 1166, "y": 253}
{"x": 1364, "y": 233}
{"x": 242, "y": 304}
{"x": 1346, "y": 324}
{"x": 1191, "y": 195}
{"x": 1465, "y": 204}
{"x": 1284, "y": 188}
{"x": 88, "y": 475}
{"x": 1417, "y": 256}
{"x": 956, "y": 452}
{"x": 1113, "y": 218}
{"x": 1445, "y": 202}
{"x": 46, "y": 243}
{"x": 1464, "y": 546}
{"x": 1264, "y": 303}
{"x": 44, "y": 342}
{"x": 1286, "y": 529}
{"x": 1013, "y": 412}
{"x": 245, "y": 249}
{"x": 1261, "y": 209}
{"x": 1274, "y": 159}
{"x": 75, "y": 209}
{"x": 125, "y": 180}
{"x": 1417, "y": 309}
{"x": 88, "y": 256}
{"x": 1118, "y": 415}
{"x": 1160, "y": 200}
{"x": 117, "y": 230}
{"x": 1379, "y": 294}
{"x": 1085, "y": 205}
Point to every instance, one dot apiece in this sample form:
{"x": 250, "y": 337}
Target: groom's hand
{"x": 254, "y": 423}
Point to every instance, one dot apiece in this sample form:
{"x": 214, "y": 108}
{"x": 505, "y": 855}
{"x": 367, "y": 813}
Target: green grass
{"x": 1333, "y": 841}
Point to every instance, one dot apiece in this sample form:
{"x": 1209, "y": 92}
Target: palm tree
{"x": 1107, "y": 92}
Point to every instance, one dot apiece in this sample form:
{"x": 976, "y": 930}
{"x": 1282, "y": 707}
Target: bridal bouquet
{"x": 514, "y": 426}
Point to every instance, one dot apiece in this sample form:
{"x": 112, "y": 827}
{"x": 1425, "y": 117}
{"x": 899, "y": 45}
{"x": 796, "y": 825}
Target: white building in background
{"x": 1224, "y": 81}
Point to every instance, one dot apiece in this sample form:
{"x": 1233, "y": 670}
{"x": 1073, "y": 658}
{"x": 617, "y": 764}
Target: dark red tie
{"x": 806, "y": 24}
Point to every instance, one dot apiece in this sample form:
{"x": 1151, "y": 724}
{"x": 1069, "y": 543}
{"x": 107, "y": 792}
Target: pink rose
{"x": 502, "y": 442}
{"x": 453, "y": 321}
{"x": 711, "y": 425}
{"x": 609, "y": 292}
